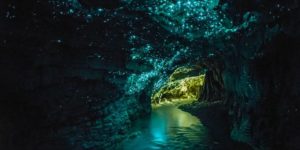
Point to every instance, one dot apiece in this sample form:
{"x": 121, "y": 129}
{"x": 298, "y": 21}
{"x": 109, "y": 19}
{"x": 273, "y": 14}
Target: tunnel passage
{"x": 202, "y": 82}
{"x": 173, "y": 120}
{"x": 184, "y": 84}
{"x": 83, "y": 75}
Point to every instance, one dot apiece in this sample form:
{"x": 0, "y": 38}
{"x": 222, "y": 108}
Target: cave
{"x": 150, "y": 74}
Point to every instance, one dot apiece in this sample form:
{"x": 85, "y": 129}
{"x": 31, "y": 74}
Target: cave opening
{"x": 172, "y": 123}
{"x": 168, "y": 126}
{"x": 184, "y": 85}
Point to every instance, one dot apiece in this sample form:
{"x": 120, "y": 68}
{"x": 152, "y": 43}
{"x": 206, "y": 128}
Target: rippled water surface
{"x": 168, "y": 128}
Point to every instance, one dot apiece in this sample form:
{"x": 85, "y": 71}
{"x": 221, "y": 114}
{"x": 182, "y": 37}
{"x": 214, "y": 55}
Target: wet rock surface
{"x": 214, "y": 117}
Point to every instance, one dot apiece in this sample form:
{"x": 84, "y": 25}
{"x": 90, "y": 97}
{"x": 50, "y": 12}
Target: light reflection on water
{"x": 168, "y": 128}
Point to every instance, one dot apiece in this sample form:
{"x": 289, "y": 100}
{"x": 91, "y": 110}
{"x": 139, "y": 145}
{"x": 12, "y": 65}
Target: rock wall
{"x": 63, "y": 80}
{"x": 259, "y": 73}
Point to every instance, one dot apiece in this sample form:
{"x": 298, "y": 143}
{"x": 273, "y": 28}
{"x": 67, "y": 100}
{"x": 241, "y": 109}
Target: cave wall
{"x": 63, "y": 80}
{"x": 260, "y": 74}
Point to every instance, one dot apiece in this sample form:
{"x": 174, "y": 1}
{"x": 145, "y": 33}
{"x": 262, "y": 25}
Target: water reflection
{"x": 167, "y": 128}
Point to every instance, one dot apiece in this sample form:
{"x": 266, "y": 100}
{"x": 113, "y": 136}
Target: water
{"x": 168, "y": 128}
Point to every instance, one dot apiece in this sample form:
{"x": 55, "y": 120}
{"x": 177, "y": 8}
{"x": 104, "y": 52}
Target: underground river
{"x": 168, "y": 127}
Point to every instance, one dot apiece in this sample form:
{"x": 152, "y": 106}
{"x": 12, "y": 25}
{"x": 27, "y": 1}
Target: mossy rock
{"x": 182, "y": 72}
{"x": 180, "y": 86}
